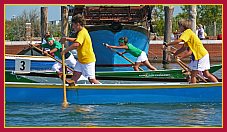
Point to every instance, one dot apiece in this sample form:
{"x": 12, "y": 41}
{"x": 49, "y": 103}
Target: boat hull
{"x": 114, "y": 93}
{"x": 172, "y": 75}
{"x": 37, "y": 62}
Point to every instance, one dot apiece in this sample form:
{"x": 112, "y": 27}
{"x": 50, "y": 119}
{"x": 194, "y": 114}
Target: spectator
{"x": 201, "y": 33}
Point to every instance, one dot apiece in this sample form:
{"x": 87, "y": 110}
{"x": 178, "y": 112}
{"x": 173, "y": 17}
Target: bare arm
{"x": 183, "y": 48}
{"x": 118, "y": 47}
{"x": 175, "y": 42}
{"x": 63, "y": 39}
{"x": 186, "y": 54}
{"x": 71, "y": 47}
{"x": 70, "y": 39}
{"x": 51, "y": 51}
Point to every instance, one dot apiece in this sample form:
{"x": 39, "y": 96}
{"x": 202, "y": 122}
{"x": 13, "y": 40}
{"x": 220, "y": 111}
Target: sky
{"x": 54, "y": 11}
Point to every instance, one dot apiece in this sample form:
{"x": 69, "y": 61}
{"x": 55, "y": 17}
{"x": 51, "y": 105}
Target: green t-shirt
{"x": 133, "y": 50}
{"x": 59, "y": 47}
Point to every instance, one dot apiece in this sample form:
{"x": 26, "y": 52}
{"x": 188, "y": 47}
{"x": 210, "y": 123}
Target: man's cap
{"x": 50, "y": 38}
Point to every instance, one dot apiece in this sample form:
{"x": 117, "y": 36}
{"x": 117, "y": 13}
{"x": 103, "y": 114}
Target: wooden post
{"x": 149, "y": 18}
{"x": 44, "y": 21}
{"x": 167, "y": 30}
{"x": 28, "y": 31}
{"x": 192, "y": 17}
{"x": 64, "y": 20}
{"x": 215, "y": 28}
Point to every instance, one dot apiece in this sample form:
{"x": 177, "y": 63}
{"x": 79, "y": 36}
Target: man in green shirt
{"x": 56, "y": 48}
{"x": 129, "y": 48}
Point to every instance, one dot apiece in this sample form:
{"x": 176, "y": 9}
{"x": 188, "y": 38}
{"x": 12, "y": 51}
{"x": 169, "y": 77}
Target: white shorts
{"x": 87, "y": 70}
{"x": 142, "y": 57}
{"x": 201, "y": 65}
{"x": 70, "y": 61}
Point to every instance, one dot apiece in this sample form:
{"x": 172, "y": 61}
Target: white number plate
{"x": 22, "y": 65}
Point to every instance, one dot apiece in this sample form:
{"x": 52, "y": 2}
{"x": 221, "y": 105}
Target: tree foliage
{"x": 158, "y": 19}
{"x": 15, "y": 29}
{"x": 206, "y": 15}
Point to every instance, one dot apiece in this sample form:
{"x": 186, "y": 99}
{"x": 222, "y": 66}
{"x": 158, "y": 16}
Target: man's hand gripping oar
{"x": 185, "y": 67}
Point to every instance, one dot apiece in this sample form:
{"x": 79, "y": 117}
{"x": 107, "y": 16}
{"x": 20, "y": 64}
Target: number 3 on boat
{"x": 22, "y": 65}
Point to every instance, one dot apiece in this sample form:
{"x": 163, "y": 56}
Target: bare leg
{"x": 76, "y": 76}
{"x": 211, "y": 78}
{"x": 59, "y": 74}
{"x": 148, "y": 65}
{"x": 136, "y": 66}
{"x": 193, "y": 76}
{"x": 93, "y": 81}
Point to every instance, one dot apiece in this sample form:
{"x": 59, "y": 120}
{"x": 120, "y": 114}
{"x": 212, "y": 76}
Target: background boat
{"x": 36, "y": 62}
{"x": 110, "y": 34}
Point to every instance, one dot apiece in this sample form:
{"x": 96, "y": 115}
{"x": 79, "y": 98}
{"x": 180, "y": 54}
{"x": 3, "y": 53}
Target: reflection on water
{"x": 87, "y": 115}
{"x": 198, "y": 116}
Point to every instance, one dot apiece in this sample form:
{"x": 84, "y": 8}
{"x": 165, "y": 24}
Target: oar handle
{"x": 198, "y": 75}
{"x": 51, "y": 57}
{"x": 186, "y": 67}
{"x": 122, "y": 55}
{"x": 182, "y": 65}
{"x": 165, "y": 44}
{"x": 65, "y": 102}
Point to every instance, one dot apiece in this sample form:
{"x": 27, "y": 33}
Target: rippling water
{"x": 115, "y": 115}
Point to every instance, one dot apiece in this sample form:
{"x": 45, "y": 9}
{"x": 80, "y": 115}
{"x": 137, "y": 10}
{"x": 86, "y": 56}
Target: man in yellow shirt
{"x": 86, "y": 57}
{"x": 201, "y": 61}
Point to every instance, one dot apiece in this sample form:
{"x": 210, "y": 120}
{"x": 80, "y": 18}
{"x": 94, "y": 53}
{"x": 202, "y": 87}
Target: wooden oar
{"x": 123, "y": 56}
{"x": 51, "y": 57}
{"x": 186, "y": 68}
{"x": 184, "y": 65}
{"x": 65, "y": 103}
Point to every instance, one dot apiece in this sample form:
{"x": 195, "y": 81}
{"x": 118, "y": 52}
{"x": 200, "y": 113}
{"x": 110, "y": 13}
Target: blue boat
{"x": 35, "y": 62}
{"x": 104, "y": 56}
{"x": 114, "y": 93}
{"x": 138, "y": 36}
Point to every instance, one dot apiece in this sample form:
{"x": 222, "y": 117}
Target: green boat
{"x": 172, "y": 75}
{"x": 176, "y": 75}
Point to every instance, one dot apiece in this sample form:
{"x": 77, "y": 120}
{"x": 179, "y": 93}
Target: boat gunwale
{"x": 114, "y": 86}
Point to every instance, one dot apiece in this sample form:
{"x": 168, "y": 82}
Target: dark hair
{"x": 47, "y": 36}
{"x": 124, "y": 38}
{"x": 79, "y": 19}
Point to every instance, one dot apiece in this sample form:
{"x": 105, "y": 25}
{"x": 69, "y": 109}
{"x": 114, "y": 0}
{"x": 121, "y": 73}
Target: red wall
{"x": 215, "y": 51}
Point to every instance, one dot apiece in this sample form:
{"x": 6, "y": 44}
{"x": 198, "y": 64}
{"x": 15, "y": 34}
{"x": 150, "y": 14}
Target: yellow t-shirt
{"x": 85, "y": 51}
{"x": 194, "y": 43}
